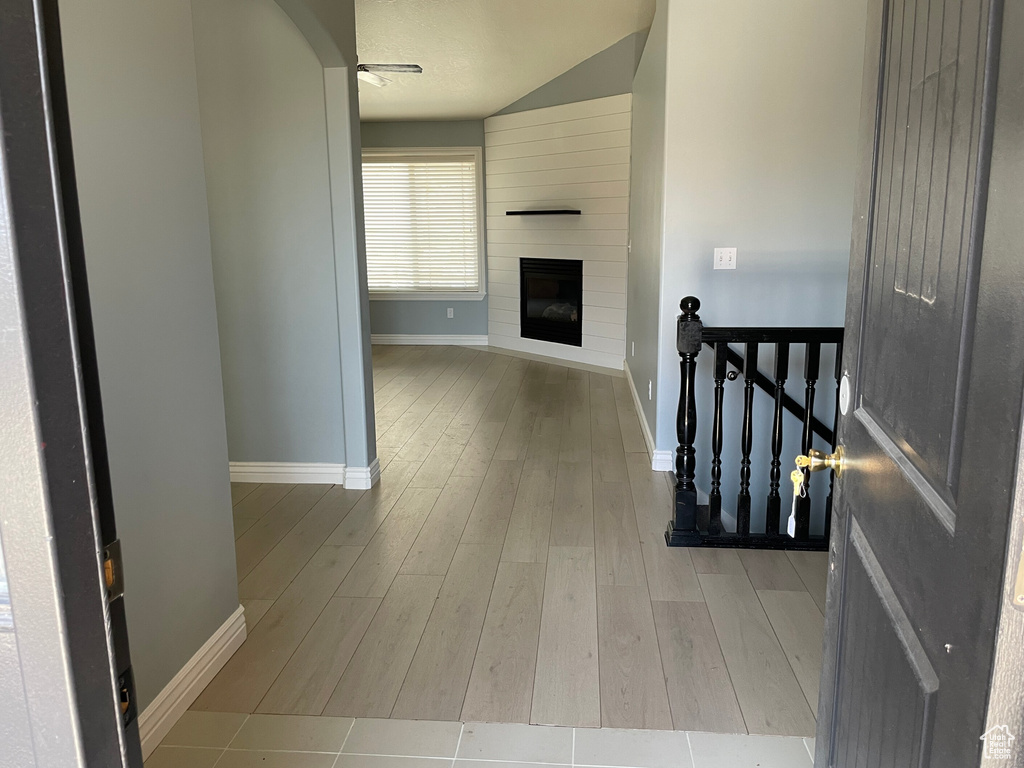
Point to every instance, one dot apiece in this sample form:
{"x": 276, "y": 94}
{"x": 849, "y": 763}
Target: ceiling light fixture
{"x": 368, "y": 72}
{"x": 371, "y": 78}
{"x": 405, "y": 69}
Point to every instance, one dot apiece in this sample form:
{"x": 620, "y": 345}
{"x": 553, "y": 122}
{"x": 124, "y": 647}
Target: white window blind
{"x": 422, "y": 222}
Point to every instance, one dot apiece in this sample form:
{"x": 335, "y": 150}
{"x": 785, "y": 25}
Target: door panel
{"x": 935, "y": 357}
{"x": 885, "y": 709}
{"x": 922, "y": 261}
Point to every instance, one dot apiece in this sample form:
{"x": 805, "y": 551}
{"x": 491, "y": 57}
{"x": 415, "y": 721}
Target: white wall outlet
{"x": 632, "y": 349}
{"x": 650, "y": 389}
{"x": 725, "y": 258}
{"x": 451, "y": 312}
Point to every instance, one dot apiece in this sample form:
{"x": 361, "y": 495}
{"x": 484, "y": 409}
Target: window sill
{"x": 428, "y": 296}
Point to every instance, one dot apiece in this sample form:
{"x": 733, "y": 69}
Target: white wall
{"x": 264, "y": 124}
{"x": 138, "y": 155}
{"x": 762, "y": 105}
{"x": 569, "y": 156}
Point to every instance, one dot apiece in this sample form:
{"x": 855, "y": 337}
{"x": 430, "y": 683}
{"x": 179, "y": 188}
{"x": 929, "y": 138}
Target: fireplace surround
{"x": 527, "y": 171}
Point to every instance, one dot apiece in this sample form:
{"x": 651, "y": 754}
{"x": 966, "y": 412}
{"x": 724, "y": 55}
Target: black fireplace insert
{"x": 551, "y": 300}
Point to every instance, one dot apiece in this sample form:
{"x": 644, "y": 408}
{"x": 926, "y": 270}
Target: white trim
{"x": 427, "y": 296}
{"x": 289, "y": 472}
{"x": 428, "y": 339}
{"x": 286, "y": 472}
{"x": 644, "y": 427}
{"x": 663, "y": 461}
{"x": 561, "y": 352}
{"x": 602, "y": 369}
{"x": 728, "y": 520}
{"x": 362, "y": 478}
{"x": 177, "y": 696}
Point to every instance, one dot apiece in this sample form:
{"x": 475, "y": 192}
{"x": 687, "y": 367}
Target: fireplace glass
{"x": 551, "y": 300}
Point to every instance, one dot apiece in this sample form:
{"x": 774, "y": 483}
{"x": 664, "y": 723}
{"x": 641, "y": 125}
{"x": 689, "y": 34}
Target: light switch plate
{"x": 725, "y": 258}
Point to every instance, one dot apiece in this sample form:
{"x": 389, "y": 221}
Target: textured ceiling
{"x": 478, "y": 56}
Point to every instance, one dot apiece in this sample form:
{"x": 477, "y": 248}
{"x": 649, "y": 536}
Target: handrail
{"x": 744, "y": 335}
{"x": 701, "y": 525}
{"x": 767, "y": 385}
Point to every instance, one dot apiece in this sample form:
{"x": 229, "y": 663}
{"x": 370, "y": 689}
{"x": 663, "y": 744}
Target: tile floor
{"x": 221, "y": 740}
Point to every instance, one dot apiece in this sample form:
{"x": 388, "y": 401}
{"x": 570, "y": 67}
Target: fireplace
{"x": 551, "y": 300}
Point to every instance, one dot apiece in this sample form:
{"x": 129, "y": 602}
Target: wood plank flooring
{"x": 510, "y": 567}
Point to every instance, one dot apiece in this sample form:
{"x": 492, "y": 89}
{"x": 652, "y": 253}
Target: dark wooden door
{"x": 935, "y": 364}
{"x": 64, "y": 643}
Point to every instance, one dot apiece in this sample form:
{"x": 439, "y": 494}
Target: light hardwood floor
{"x": 510, "y": 567}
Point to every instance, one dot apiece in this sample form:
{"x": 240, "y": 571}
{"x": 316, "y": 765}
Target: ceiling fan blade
{"x": 406, "y": 69}
{"x": 371, "y": 78}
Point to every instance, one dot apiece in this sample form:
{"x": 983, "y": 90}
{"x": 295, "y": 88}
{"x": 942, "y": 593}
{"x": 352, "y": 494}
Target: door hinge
{"x": 113, "y": 570}
{"x": 126, "y": 688}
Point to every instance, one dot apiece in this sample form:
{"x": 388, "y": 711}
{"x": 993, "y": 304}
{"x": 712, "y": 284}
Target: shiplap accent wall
{"x": 569, "y": 156}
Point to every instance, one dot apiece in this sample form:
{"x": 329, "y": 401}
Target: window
{"x": 424, "y": 223}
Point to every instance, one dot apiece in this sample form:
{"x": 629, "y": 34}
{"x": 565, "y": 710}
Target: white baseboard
{"x": 728, "y": 521}
{"x": 606, "y": 371}
{"x": 362, "y": 478}
{"x": 177, "y": 696}
{"x": 561, "y": 352}
{"x": 663, "y": 461}
{"x": 359, "y": 478}
{"x": 286, "y": 472}
{"x": 428, "y": 339}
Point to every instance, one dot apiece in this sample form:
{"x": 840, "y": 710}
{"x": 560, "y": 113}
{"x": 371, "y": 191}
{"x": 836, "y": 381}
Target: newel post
{"x": 682, "y": 531}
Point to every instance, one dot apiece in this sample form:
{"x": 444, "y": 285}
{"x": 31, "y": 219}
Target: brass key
{"x": 816, "y": 461}
{"x": 797, "y": 476}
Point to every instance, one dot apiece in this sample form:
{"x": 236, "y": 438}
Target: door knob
{"x": 815, "y": 461}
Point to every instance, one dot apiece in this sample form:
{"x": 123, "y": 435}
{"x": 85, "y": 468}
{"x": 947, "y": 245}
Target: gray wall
{"x": 426, "y": 317}
{"x": 646, "y": 201}
{"x": 138, "y": 153}
{"x": 264, "y": 123}
{"x": 329, "y": 27}
{"x": 341, "y": 94}
{"x": 607, "y": 73}
{"x": 429, "y": 317}
{"x": 451, "y": 133}
{"x": 760, "y": 154}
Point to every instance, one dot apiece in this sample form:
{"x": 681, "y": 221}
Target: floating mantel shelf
{"x": 548, "y": 212}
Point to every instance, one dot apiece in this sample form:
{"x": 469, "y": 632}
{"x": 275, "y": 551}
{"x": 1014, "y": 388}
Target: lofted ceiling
{"x": 479, "y": 56}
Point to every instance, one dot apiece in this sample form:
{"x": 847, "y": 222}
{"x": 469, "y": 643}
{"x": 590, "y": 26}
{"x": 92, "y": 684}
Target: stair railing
{"x": 698, "y": 525}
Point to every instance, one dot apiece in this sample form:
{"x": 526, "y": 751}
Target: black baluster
{"x": 682, "y": 530}
{"x": 812, "y": 366}
{"x": 746, "y": 439}
{"x": 774, "y": 509}
{"x": 835, "y": 441}
{"x": 715, "y": 496}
